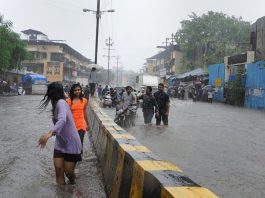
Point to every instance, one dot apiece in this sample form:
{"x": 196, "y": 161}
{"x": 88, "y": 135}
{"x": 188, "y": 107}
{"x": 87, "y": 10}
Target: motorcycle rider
{"x": 128, "y": 100}
{"x": 128, "y": 97}
{"x": 105, "y": 90}
{"x": 113, "y": 95}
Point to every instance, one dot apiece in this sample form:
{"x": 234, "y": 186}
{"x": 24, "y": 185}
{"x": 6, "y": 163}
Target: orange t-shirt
{"x": 78, "y": 109}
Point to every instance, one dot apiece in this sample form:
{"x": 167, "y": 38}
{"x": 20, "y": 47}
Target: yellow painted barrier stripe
{"x": 186, "y": 192}
{"x": 123, "y": 136}
{"x": 118, "y": 128}
{"x": 139, "y": 167}
{"x": 137, "y": 184}
{"x": 110, "y": 129}
{"x": 105, "y": 119}
{"x": 106, "y": 123}
{"x": 128, "y": 147}
{"x": 114, "y": 193}
{"x": 154, "y": 165}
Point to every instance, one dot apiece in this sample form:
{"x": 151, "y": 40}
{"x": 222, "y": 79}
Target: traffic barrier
{"x": 131, "y": 169}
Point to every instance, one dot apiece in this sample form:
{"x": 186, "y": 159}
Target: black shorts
{"x": 66, "y": 156}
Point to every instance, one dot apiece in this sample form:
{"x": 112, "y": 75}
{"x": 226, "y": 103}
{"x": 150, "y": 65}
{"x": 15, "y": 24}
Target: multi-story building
{"x": 258, "y": 38}
{"x": 167, "y": 62}
{"x": 54, "y": 59}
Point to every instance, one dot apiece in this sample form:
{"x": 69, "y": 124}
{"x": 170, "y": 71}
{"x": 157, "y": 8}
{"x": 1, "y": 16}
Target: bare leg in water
{"x": 69, "y": 168}
{"x": 59, "y": 170}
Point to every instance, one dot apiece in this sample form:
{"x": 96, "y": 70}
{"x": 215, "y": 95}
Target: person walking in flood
{"x": 149, "y": 106}
{"x": 78, "y": 104}
{"x": 67, "y": 148}
{"x": 162, "y": 100}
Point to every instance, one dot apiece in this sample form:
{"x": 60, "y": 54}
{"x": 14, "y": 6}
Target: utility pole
{"x": 109, "y": 43}
{"x": 166, "y": 42}
{"x": 97, "y": 17}
{"x": 98, "y": 13}
{"x": 117, "y": 58}
{"x": 121, "y": 75}
{"x": 172, "y": 39}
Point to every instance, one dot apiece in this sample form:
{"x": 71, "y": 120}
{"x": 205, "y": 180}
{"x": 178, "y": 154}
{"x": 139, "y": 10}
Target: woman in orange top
{"x": 78, "y": 104}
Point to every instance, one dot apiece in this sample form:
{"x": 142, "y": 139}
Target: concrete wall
{"x": 178, "y": 55}
{"x": 257, "y": 38}
{"x": 130, "y": 169}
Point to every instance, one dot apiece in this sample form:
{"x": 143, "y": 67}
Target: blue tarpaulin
{"x": 34, "y": 79}
{"x": 195, "y": 72}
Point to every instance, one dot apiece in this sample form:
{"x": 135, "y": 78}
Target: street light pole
{"x": 97, "y": 17}
{"x": 109, "y": 44}
{"x": 98, "y": 13}
{"x": 117, "y": 58}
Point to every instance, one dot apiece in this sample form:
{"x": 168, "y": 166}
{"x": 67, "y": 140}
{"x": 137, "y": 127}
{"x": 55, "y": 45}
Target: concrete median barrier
{"x": 130, "y": 169}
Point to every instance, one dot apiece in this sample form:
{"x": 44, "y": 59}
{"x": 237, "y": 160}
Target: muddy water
{"x": 221, "y": 147}
{"x": 27, "y": 171}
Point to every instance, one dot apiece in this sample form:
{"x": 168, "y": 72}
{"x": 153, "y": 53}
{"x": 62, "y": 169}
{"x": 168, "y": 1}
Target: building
{"x": 237, "y": 65}
{"x": 257, "y": 38}
{"x": 54, "y": 59}
{"x": 167, "y": 62}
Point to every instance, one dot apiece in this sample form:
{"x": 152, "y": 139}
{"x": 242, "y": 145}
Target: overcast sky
{"x": 136, "y": 27}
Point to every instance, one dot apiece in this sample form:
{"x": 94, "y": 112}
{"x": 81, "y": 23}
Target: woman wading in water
{"x": 78, "y": 106}
{"x": 67, "y": 148}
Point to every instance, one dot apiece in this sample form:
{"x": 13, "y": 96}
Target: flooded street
{"x": 27, "y": 171}
{"x": 219, "y": 146}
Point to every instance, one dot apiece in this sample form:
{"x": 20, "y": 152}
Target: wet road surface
{"x": 220, "y": 147}
{"x": 27, "y": 171}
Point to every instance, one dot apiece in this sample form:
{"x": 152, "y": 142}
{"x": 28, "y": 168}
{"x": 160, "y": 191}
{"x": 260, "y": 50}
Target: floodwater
{"x": 27, "y": 171}
{"x": 220, "y": 147}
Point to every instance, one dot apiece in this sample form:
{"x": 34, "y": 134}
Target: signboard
{"x": 163, "y": 72}
{"x": 218, "y": 82}
{"x": 53, "y": 71}
{"x": 74, "y": 73}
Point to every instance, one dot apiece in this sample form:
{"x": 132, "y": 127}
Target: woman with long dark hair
{"x": 78, "y": 104}
{"x": 67, "y": 149}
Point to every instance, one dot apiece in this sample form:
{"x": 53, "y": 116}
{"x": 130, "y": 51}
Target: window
{"x": 57, "y": 57}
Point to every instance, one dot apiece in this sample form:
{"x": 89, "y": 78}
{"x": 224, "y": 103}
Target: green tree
{"x": 13, "y": 49}
{"x": 207, "y": 39}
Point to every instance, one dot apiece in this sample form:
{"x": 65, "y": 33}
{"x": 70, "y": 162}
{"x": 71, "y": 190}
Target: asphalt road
{"x": 220, "y": 147}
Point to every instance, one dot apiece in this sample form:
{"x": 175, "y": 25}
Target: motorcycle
{"x": 126, "y": 117}
{"x": 107, "y": 101}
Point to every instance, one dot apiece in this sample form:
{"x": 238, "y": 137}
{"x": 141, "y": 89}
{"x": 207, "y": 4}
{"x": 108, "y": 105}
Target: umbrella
{"x": 98, "y": 67}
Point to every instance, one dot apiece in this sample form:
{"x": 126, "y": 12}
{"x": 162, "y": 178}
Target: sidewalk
{"x": 89, "y": 177}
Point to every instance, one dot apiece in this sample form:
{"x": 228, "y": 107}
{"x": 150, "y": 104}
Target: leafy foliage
{"x": 207, "y": 39}
{"x": 13, "y": 49}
